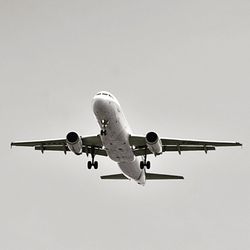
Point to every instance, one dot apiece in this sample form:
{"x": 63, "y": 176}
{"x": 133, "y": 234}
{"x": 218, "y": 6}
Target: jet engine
{"x": 154, "y": 143}
{"x": 74, "y": 142}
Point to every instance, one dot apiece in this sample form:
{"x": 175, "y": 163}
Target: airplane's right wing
{"x": 88, "y": 143}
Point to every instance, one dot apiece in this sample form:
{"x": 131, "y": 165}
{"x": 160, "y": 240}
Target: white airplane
{"x": 117, "y": 141}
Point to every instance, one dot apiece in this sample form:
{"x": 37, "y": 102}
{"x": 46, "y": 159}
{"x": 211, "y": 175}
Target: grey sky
{"x": 180, "y": 68}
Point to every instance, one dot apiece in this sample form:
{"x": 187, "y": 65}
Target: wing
{"x": 179, "y": 145}
{"x": 88, "y": 142}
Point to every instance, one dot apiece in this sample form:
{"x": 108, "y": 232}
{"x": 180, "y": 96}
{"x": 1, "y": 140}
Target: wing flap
{"x": 63, "y": 148}
{"x": 52, "y": 148}
{"x": 199, "y": 143}
{"x": 141, "y": 151}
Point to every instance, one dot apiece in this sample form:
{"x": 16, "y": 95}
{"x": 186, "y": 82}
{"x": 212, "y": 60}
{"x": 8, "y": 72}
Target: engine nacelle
{"x": 154, "y": 143}
{"x": 74, "y": 142}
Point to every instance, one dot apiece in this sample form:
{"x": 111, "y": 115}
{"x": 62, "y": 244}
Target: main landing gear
{"x": 145, "y": 163}
{"x": 104, "y": 124}
{"x": 92, "y": 162}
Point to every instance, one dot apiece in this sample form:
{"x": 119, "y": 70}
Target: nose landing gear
{"x": 103, "y": 132}
{"x": 104, "y": 124}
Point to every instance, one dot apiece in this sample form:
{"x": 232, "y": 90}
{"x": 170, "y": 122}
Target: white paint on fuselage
{"x": 116, "y": 141}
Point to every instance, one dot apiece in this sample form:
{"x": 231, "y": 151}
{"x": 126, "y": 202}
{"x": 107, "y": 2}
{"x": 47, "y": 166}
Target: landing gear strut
{"x": 92, "y": 162}
{"x": 145, "y": 163}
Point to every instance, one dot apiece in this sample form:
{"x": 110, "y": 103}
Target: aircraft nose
{"x": 100, "y": 105}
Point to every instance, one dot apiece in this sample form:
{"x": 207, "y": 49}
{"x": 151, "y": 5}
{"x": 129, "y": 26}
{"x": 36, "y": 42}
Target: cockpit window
{"x": 103, "y": 93}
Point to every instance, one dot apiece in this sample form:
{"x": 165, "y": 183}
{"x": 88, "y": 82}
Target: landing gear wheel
{"x": 141, "y": 165}
{"x": 148, "y": 164}
{"x": 95, "y": 164}
{"x": 145, "y": 164}
{"x": 92, "y": 162}
{"x": 89, "y": 164}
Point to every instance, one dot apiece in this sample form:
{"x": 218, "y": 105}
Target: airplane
{"x": 117, "y": 141}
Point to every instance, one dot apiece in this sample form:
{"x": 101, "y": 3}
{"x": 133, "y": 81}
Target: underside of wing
{"x": 54, "y": 142}
{"x": 141, "y": 151}
{"x": 98, "y": 151}
{"x": 183, "y": 142}
{"x": 139, "y": 144}
{"x": 89, "y": 143}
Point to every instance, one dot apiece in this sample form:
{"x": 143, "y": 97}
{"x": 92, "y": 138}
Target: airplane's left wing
{"x": 88, "y": 143}
{"x": 169, "y": 144}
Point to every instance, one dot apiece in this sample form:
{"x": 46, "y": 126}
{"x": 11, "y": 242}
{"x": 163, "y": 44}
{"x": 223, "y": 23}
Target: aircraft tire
{"x": 148, "y": 165}
{"x": 89, "y": 165}
{"x": 95, "y": 164}
{"x": 141, "y": 165}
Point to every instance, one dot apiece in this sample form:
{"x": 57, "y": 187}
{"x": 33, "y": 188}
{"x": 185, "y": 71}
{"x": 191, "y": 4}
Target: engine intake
{"x": 154, "y": 143}
{"x": 74, "y": 142}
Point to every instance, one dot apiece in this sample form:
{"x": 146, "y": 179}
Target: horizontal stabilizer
{"x": 114, "y": 177}
{"x": 151, "y": 176}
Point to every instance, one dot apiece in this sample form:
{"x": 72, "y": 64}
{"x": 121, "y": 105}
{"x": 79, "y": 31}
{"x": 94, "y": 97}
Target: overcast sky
{"x": 180, "y": 68}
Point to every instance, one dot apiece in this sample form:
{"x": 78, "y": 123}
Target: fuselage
{"x": 110, "y": 117}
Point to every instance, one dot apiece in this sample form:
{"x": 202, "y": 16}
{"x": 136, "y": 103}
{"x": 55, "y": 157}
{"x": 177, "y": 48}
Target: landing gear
{"x": 145, "y": 163}
{"x": 92, "y": 162}
{"x": 95, "y": 164}
{"x": 141, "y": 165}
{"x": 104, "y": 124}
{"x": 89, "y": 164}
{"x": 103, "y": 132}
